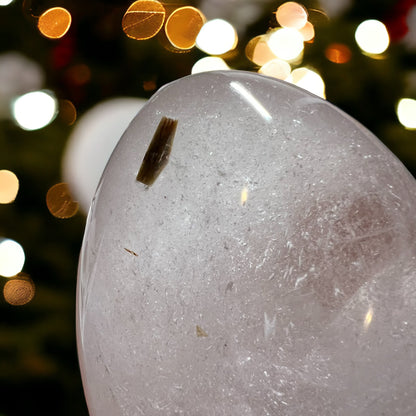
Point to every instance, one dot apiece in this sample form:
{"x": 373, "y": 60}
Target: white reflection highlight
{"x": 368, "y": 318}
{"x": 248, "y": 96}
{"x": 244, "y": 196}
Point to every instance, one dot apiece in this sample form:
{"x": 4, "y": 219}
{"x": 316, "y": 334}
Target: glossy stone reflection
{"x": 268, "y": 270}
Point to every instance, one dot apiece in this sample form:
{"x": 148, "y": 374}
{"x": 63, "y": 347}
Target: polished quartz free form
{"x": 269, "y": 269}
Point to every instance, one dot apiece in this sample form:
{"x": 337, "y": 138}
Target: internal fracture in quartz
{"x": 268, "y": 270}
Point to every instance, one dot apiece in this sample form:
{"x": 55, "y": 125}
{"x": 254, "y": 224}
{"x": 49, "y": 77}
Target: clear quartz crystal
{"x": 269, "y": 270}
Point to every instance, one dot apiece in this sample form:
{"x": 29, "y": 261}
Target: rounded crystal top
{"x": 268, "y": 268}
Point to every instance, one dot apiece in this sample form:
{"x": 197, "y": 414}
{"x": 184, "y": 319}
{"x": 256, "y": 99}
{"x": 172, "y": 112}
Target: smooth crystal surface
{"x": 269, "y": 270}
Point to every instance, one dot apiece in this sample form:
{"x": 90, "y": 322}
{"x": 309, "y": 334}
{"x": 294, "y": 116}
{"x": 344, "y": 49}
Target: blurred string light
{"x": 292, "y": 15}
{"x": 91, "y": 142}
{"x": 276, "y": 51}
{"x": 182, "y": 27}
{"x": 209, "y": 63}
{"x": 34, "y": 110}
{"x": 79, "y": 74}
{"x": 372, "y": 37}
{"x": 19, "y": 290}
{"x": 143, "y": 19}
{"x": 5, "y": 2}
{"x": 149, "y": 85}
{"x": 60, "y": 202}
{"x": 67, "y": 112}
{"x": 286, "y": 43}
{"x": 308, "y": 80}
{"x": 217, "y": 37}
{"x": 12, "y": 257}
{"x": 406, "y": 113}
{"x": 54, "y": 22}
{"x": 258, "y": 51}
{"x": 18, "y": 75}
{"x": 338, "y": 53}
{"x": 307, "y": 32}
{"x": 9, "y": 186}
{"x": 276, "y": 68}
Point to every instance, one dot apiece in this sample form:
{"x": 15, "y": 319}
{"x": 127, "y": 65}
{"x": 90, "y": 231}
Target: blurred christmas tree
{"x": 94, "y": 61}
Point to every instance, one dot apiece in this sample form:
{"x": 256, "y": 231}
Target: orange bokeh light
{"x": 143, "y": 19}
{"x": 292, "y": 15}
{"x": 67, "y": 112}
{"x": 338, "y": 53}
{"x": 59, "y": 201}
{"x": 9, "y": 186}
{"x": 19, "y": 290}
{"x": 54, "y": 22}
{"x": 182, "y": 27}
{"x": 258, "y": 51}
{"x": 308, "y": 32}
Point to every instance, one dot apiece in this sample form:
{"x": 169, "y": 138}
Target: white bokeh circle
{"x": 91, "y": 143}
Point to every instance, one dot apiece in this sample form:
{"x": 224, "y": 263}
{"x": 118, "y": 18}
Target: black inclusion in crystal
{"x": 157, "y": 155}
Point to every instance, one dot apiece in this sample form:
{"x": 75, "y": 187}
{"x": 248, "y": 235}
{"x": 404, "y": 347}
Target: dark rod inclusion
{"x": 157, "y": 155}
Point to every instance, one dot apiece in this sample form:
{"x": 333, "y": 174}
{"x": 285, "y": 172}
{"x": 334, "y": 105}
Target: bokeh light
{"x": 209, "y": 63}
{"x": 60, "y": 202}
{"x": 182, "y": 27}
{"x": 308, "y": 80}
{"x": 143, "y": 19}
{"x": 91, "y": 142}
{"x": 292, "y": 15}
{"x": 79, "y": 74}
{"x": 149, "y": 85}
{"x": 372, "y": 37}
{"x": 18, "y": 75}
{"x": 258, "y": 51}
{"x": 54, "y": 22}
{"x": 286, "y": 43}
{"x": 217, "y": 37}
{"x": 338, "y": 53}
{"x": 406, "y": 113}
{"x": 19, "y": 290}
{"x": 5, "y": 2}
{"x": 67, "y": 112}
{"x": 34, "y": 110}
{"x": 276, "y": 68}
{"x": 9, "y": 186}
{"x": 12, "y": 257}
{"x": 307, "y": 32}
